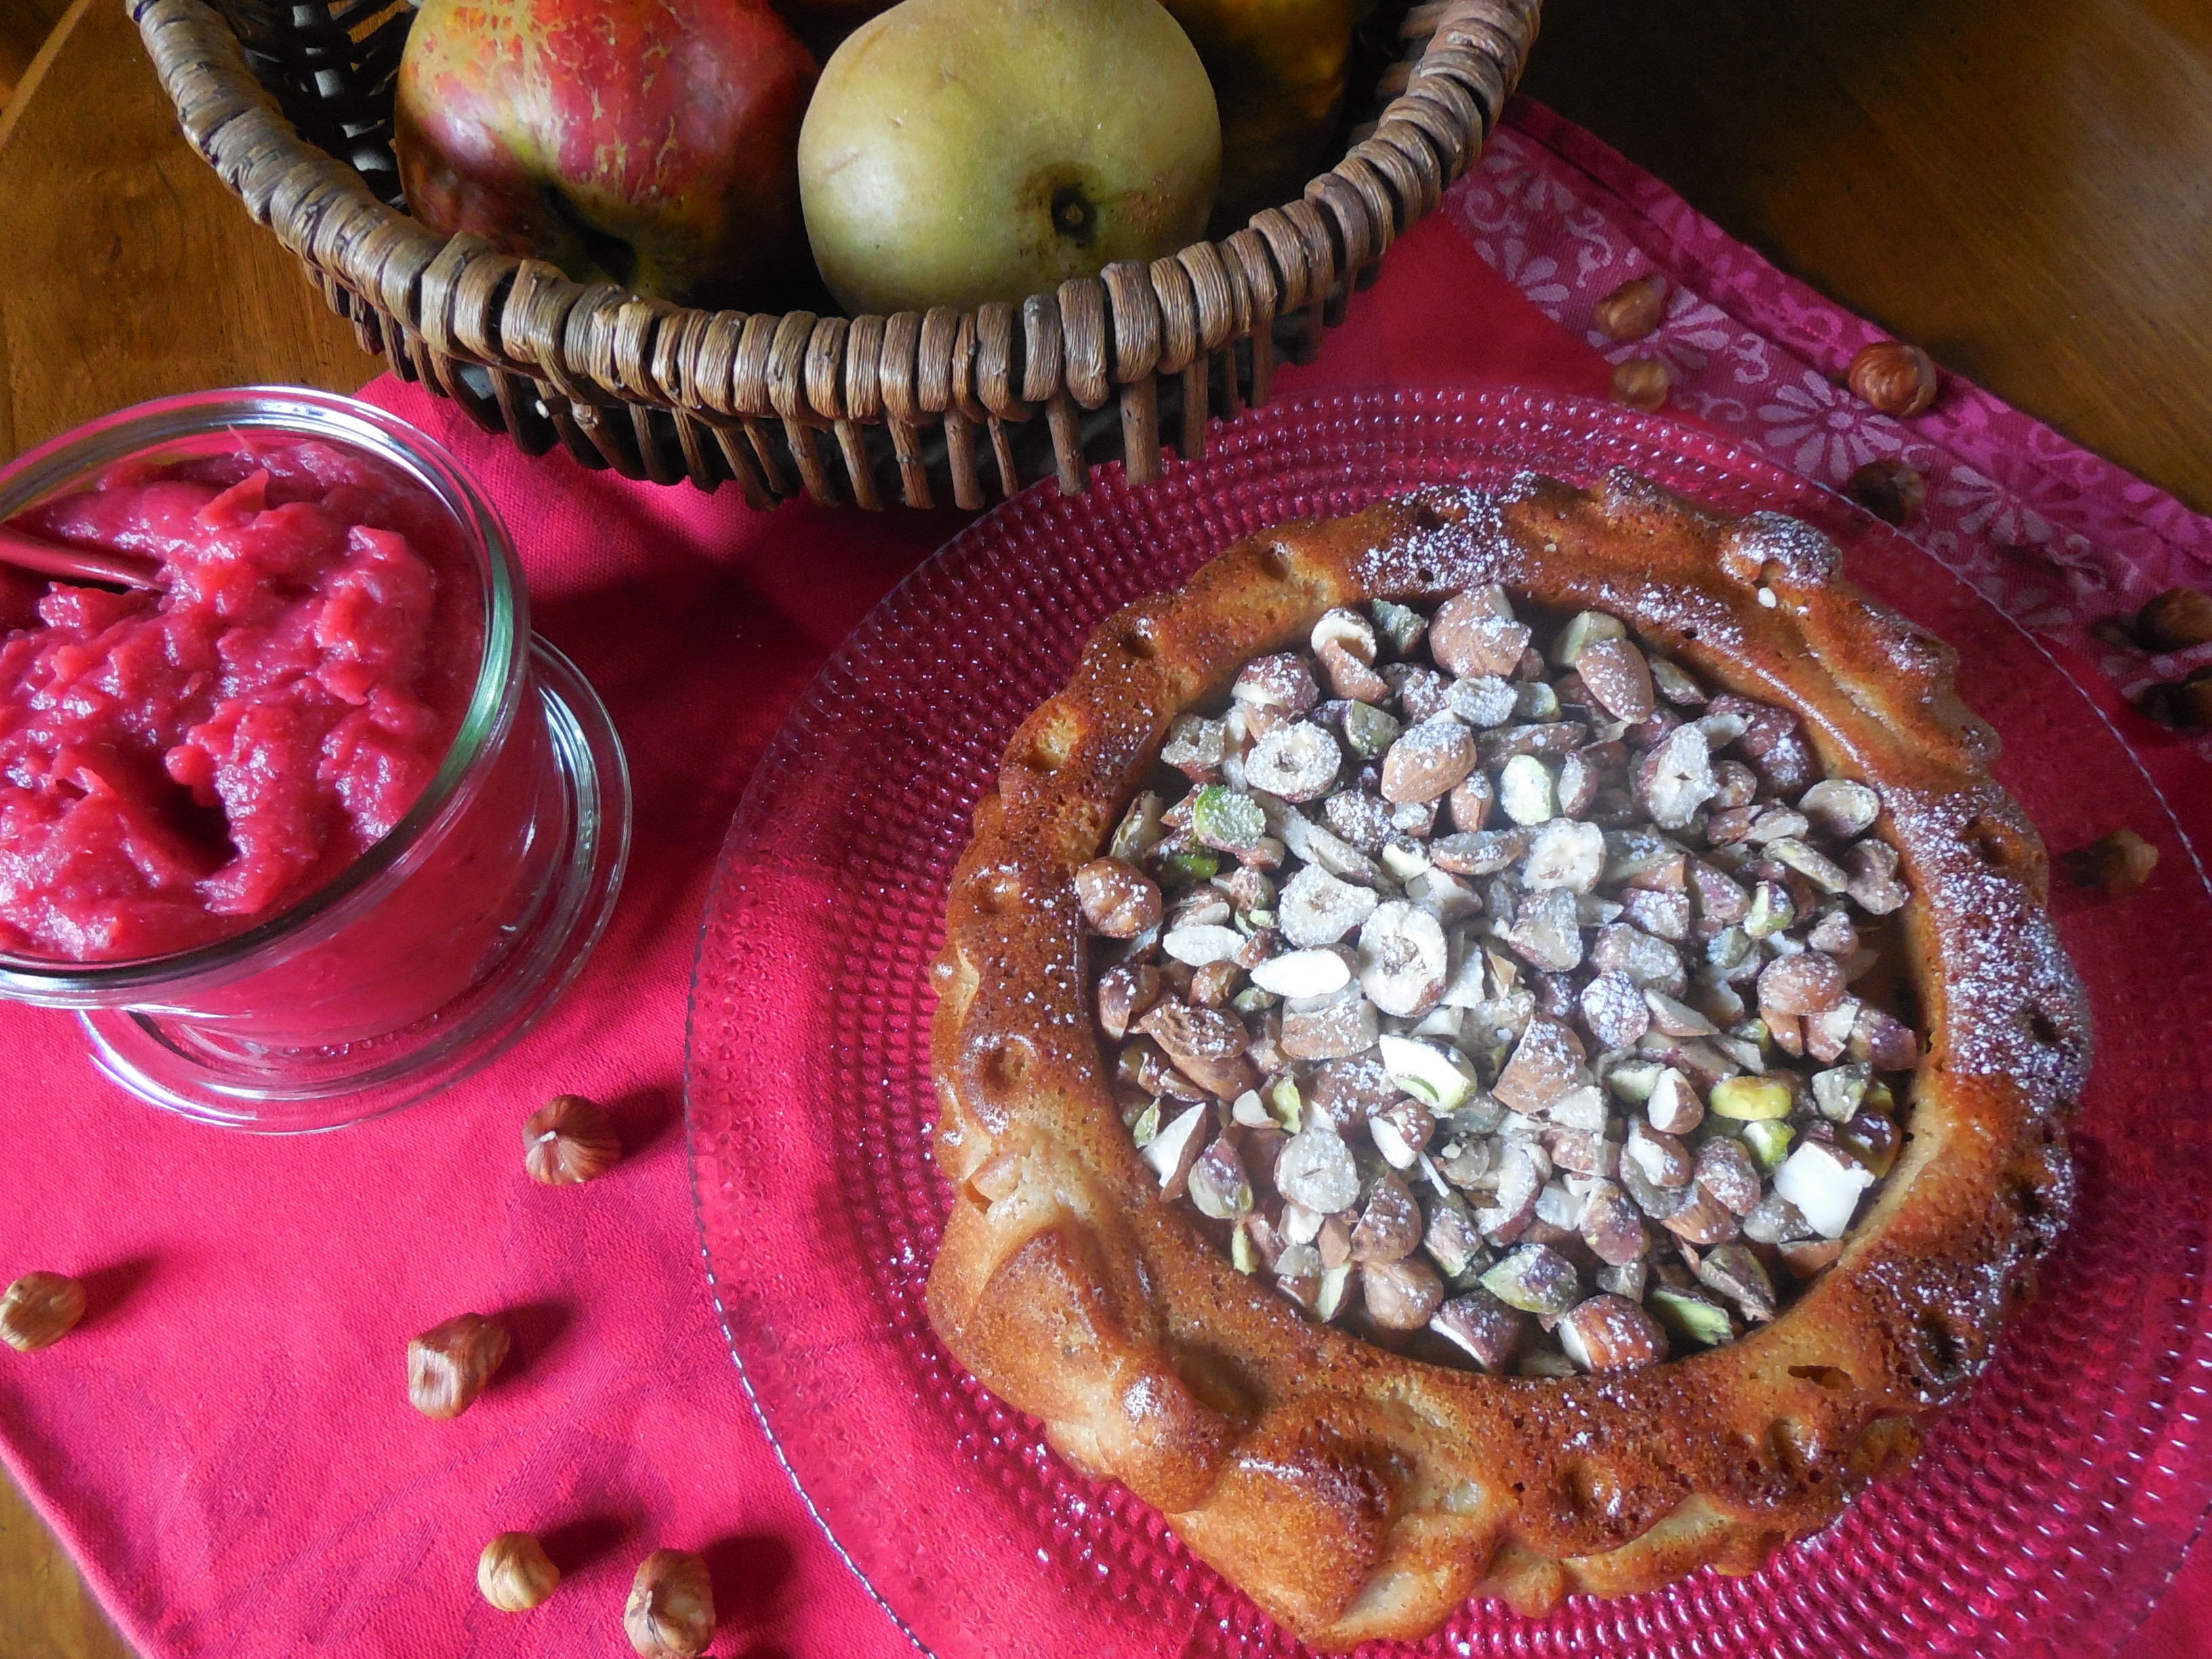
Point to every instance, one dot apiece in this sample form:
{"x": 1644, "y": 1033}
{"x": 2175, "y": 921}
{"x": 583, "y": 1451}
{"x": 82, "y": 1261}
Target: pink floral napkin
{"x": 2059, "y": 539}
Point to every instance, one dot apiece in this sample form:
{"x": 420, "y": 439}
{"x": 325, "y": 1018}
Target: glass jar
{"x": 436, "y": 948}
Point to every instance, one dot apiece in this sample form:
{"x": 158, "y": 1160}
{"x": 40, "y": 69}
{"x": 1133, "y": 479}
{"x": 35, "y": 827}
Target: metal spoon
{"x": 77, "y": 564}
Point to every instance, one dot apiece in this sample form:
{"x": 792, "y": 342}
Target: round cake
{"x": 1501, "y": 1045}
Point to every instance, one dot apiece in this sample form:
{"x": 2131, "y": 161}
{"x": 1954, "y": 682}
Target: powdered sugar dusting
{"x": 2017, "y": 1008}
{"x": 1434, "y": 740}
{"x": 1463, "y": 543}
{"x": 1805, "y": 557}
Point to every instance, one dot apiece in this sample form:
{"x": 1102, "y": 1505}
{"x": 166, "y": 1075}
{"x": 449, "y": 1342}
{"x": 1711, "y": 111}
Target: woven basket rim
{"x": 599, "y": 346}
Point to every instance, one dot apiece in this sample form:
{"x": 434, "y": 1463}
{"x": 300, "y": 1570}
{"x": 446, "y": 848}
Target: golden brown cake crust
{"x": 1355, "y": 1493}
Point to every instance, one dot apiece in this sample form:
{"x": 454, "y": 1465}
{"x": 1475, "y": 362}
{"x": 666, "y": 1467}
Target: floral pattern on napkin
{"x": 2063, "y": 542}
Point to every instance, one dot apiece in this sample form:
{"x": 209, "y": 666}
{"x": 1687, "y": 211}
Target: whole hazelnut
{"x": 2177, "y": 619}
{"x": 2118, "y": 863}
{"x": 515, "y": 1572}
{"x": 1641, "y": 383}
{"x": 449, "y": 1364}
{"x": 2160, "y": 701}
{"x": 1897, "y": 379}
{"x": 2192, "y": 700}
{"x": 670, "y": 1614}
{"x": 568, "y": 1141}
{"x": 40, "y": 1309}
{"x": 1889, "y": 489}
{"x": 1630, "y": 311}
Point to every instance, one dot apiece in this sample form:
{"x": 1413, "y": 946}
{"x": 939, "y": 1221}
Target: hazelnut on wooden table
{"x": 1631, "y": 311}
{"x": 515, "y": 1572}
{"x": 568, "y": 1141}
{"x": 1897, "y": 379}
{"x": 670, "y": 1613}
{"x": 449, "y": 1364}
{"x": 40, "y": 1309}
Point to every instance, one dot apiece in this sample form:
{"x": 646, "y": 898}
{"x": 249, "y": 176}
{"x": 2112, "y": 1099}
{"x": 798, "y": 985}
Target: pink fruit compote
{"x": 176, "y": 767}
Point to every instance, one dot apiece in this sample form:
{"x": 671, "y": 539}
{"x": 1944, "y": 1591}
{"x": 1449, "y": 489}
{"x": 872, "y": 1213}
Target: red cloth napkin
{"x": 225, "y": 1443}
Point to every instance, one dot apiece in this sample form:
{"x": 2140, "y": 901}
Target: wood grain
{"x": 45, "y": 1611}
{"x": 24, "y": 25}
{"x": 133, "y": 272}
{"x": 2024, "y": 190}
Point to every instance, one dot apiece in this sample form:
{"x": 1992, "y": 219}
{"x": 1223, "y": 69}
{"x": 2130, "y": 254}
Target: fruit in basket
{"x": 650, "y": 143}
{"x": 1277, "y": 68}
{"x": 959, "y": 151}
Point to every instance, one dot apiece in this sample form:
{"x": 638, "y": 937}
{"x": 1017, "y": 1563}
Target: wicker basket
{"x": 290, "y": 100}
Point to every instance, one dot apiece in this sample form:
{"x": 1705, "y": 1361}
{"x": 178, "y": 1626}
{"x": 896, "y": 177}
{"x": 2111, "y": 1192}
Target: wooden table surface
{"x": 2024, "y": 190}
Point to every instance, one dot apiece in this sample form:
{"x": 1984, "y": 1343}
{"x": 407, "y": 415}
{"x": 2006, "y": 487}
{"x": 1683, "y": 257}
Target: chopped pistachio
{"x": 1771, "y": 910}
{"x": 1730, "y": 948}
{"x": 1401, "y": 625}
{"x": 1367, "y": 731}
{"x": 1285, "y": 1103}
{"x": 1534, "y": 1279}
{"x": 1841, "y": 1090}
{"x": 1335, "y": 1285}
{"x": 1534, "y": 700}
{"x": 1749, "y": 1097}
{"x": 1440, "y": 1078}
{"x": 1222, "y": 819}
{"x": 1767, "y": 1140}
{"x": 1810, "y": 862}
{"x": 1146, "y": 1126}
{"x": 1689, "y": 1313}
{"x": 1188, "y": 868}
{"x": 1140, "y": 830}
{"x": 1242, "y": 1257}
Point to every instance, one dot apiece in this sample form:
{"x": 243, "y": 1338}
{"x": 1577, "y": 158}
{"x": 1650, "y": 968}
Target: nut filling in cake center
{"x": 1496, "y": 990}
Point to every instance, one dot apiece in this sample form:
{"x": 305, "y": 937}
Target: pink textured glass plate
{"x": 2048, "y": 1507}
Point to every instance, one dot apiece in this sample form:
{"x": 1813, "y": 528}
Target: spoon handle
{"x": 77, "y": 564}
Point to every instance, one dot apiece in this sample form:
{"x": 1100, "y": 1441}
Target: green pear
{"x": 959, "y": 151}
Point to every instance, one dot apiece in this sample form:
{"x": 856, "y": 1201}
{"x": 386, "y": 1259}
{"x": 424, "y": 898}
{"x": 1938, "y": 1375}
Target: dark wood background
{"x": 2025, "y": 189}
{"x": 24, "y": 25}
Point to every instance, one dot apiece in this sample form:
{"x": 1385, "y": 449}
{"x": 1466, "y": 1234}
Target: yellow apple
{"x": 958, "y": 151}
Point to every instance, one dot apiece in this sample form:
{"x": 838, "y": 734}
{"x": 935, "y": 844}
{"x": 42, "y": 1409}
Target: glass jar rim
{"x": 502, "y": 675}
